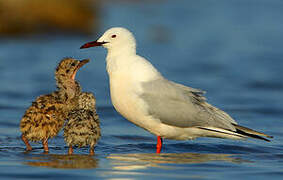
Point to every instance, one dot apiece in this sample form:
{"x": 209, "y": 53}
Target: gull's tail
{"x": 251, "y": 133}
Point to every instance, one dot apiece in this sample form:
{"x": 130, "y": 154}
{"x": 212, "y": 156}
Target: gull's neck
{"x": 128, "y": 64}
{"x": 128, "y": 49}
{"x": 119, "y": 57}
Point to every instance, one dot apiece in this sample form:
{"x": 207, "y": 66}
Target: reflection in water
{"x": 142, "y": 161}
{"x": 63, "y": 161}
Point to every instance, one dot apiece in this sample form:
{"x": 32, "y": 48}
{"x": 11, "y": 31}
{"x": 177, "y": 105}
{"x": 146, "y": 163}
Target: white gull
{"x": 166, "y": 109}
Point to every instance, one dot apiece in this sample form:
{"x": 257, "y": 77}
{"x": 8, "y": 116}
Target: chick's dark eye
{"x": 113, "y": 36}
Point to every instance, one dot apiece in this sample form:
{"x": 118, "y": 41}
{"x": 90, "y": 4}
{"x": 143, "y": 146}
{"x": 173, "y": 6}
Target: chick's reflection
{"x": 64, "y": 161}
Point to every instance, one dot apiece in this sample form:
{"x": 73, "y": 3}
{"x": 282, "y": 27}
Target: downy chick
{"x": 46, "y": 116}
{"x": 82, "y": 127}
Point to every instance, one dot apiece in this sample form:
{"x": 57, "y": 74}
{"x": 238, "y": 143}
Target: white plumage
{"x": 164, "y": 108}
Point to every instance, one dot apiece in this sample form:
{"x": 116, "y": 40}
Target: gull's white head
{"x": 115, "y": 39}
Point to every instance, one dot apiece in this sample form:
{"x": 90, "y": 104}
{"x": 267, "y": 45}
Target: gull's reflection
{"x": 141, "y": 161}
{"x": 63, "y": 161}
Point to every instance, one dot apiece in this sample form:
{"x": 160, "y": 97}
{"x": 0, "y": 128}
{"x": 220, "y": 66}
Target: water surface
{"x": 233, "y": 50}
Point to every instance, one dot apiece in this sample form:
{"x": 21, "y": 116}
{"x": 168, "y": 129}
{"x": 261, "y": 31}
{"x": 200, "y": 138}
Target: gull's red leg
{"x": 159, "y": 144}
{"x": 25, "y": 140}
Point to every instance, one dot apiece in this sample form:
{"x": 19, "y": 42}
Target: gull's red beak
{"x": 92, "y": 44}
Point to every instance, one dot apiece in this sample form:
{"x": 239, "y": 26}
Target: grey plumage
{"x": 186, "y": 107}
{"x": 82, "y": 127}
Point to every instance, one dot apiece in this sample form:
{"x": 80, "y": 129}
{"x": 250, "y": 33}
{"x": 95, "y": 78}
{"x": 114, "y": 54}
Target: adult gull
{"x": 166, "y": 109}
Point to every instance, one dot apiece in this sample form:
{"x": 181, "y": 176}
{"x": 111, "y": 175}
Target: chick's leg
{"x": 45, "y": 145}
{"x": 70, "y": 151}
{"x": 25, "y": 140}
{"x": 91, "y": 151}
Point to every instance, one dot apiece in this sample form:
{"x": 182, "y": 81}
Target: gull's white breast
{"x": 126, "y": 76}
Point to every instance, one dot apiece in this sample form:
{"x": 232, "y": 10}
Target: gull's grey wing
{"x": 178, "y": 105}
{"x": 197, "y": 93}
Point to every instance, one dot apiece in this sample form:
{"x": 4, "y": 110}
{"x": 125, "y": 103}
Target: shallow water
{"x": 233, "y": 50}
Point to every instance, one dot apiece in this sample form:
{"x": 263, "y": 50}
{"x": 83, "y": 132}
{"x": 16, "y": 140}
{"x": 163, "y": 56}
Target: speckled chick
{"x": 82, "y": 127}
{"x": 46, "y": 116}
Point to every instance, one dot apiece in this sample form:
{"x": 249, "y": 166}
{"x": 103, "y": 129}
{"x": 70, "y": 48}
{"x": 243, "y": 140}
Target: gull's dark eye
{"x": 113, "y": 36}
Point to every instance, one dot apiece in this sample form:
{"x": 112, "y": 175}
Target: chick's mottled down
{"x": 46, "y": 116}
{"x": 82, "y": 127}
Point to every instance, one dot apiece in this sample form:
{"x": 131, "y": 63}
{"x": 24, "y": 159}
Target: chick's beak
{"x": 92, "y": 44}
{"x": 81, "y": 63}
